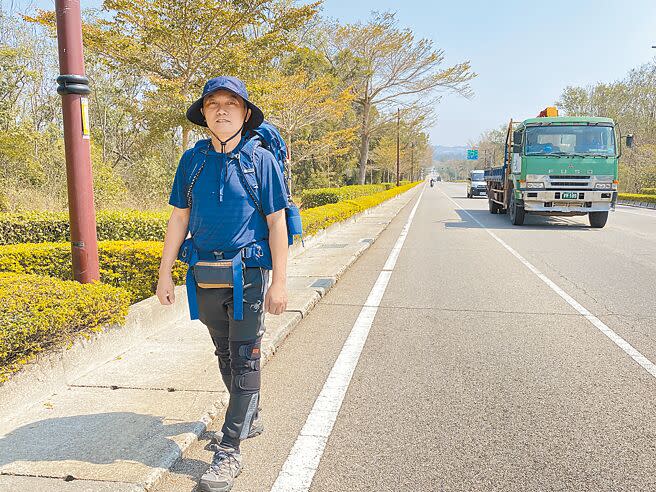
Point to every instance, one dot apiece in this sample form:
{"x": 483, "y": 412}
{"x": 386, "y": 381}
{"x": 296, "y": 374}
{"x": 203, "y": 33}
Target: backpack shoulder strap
{"x": 247, "y": 172}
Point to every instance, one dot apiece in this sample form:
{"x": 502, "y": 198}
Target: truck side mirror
{"x": 517, "y": 141}
{"x": 629, "y": 140}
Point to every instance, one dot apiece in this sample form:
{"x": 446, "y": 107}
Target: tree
{"x": 178, "y": 45}
{"x": 631, "y": 102}
{"x": 296, "y": 104}
{"x": 390, "y": 68}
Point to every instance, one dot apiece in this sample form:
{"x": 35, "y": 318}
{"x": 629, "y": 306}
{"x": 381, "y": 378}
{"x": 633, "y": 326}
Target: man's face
{"x": 224, "y": 112}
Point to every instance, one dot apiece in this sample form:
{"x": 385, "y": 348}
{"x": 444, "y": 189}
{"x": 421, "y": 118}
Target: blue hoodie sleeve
{"x": 273, "y": 194}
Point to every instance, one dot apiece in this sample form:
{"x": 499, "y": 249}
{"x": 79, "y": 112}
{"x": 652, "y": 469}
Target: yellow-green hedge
{"x": 649, "y": 191}
{"x": 323, "y": 196}
{"x": 38, "y": 312}
{"x": 635, "y": 197}
{"x": 43, "y": 227}
{"x": 132, "y": 265}
{"x": 315, "y": 219}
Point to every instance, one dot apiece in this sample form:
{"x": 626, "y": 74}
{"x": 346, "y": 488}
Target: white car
{"x": 476, "y": 184}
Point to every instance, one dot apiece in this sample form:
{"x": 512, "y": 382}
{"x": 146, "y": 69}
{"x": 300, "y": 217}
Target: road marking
{"x": 298, "y": 471}
{"x": 644, "y": 362}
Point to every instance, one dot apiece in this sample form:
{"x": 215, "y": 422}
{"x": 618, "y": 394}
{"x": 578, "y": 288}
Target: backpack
{"x": 268, "y": 137}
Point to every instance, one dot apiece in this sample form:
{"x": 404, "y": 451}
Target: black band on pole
{"x": 73, "y": 84}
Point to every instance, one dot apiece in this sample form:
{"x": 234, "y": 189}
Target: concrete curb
{"x": 631, "y": 203}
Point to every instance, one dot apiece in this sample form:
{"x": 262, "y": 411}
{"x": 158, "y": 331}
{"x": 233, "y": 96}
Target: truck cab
{"x": 557, "y": 166}
{"x": 476, "y": 183}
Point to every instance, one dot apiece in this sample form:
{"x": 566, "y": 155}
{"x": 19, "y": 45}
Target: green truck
{"x": 557, "y": 166}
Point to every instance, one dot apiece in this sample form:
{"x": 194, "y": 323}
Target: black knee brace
{"x": 245, "y": 365}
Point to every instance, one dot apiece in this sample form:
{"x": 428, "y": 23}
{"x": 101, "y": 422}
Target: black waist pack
{"x": 213, "y": 274}
{"x": 219, "y": 274}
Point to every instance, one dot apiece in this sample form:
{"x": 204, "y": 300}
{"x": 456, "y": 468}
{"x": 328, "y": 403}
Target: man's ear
{"x": 248, "y": 114}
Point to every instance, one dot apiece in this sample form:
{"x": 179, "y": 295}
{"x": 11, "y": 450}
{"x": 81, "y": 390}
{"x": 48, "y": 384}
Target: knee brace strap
{"x": 245, "y": 364}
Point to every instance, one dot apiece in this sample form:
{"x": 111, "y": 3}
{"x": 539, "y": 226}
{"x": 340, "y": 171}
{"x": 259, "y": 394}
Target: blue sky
{"x": 525, "y": 52}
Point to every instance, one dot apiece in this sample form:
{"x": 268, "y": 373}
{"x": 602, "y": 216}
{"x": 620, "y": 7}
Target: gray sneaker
{"x": 225, "y": 467}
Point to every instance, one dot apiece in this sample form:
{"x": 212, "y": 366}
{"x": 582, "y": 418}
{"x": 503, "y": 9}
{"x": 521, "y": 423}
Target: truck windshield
{"x": 477, "y": 177}
{"x": 570, "y": 140}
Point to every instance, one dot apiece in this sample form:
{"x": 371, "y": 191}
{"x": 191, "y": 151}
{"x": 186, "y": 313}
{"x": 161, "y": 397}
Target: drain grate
{"x": 367, "y": 240}
{"x": 333, "y": 246}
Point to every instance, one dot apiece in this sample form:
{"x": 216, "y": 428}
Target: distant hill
{"x": 444, "y": 153}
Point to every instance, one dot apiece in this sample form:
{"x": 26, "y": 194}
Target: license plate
{"x": 570, "y": 195}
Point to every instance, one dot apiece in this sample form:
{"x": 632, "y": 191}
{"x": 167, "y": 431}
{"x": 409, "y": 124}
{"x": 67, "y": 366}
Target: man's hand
{"x": 275, "y": 301}
{"x": 166, "y": 289}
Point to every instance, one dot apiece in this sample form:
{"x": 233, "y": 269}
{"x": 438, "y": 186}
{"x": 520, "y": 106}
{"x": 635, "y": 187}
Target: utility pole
{"x": 74, "y": 87}
{"x": 412, "y": 162}
{"x": 398, "y": 146}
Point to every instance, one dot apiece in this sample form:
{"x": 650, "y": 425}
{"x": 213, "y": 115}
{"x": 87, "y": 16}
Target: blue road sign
{"x": 472, "y": 154}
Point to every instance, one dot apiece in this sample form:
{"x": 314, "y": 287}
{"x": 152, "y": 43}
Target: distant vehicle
{"x": 476, "y": 184}
{"x": 557, "y": 166}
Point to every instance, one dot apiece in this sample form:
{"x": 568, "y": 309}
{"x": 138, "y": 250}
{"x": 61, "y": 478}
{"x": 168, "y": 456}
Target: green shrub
{"x": 635, "y": 197}
{"x": 132, "y": 265}
{"x": 324, "y": 196}
{"x": 315, "y": 219}
{"x": 42, "y": 227}
{"x": 649, "y": 191}
{"x": 39, "y": 312}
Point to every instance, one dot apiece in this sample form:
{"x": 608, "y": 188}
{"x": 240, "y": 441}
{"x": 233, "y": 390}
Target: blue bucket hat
{"x": 234, "y": 85}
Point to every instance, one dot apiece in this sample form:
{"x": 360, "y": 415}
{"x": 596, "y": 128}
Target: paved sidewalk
{"x": 122, "y": 424}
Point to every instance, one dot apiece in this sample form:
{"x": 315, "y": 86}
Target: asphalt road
{"x": 476, "y": 374}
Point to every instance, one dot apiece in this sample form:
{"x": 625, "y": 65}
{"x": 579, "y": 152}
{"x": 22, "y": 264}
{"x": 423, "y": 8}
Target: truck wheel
{"x": 516, "y": 211}
{"x": 492, "y": 206}
{"x": 598, "y": 219}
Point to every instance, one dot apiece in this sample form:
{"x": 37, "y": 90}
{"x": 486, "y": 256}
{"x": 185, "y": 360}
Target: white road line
{"x": 298, "y": 471}
{"x": 646, "y": 364}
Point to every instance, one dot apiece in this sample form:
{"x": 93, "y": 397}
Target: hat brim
{"x": 195, "y": 115}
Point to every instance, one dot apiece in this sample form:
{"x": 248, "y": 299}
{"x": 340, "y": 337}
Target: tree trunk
{"x": 185, "y": 138}
{"x": 364, "y": 142}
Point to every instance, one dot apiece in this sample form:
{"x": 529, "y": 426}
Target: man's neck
{"x": 229, "y": 146}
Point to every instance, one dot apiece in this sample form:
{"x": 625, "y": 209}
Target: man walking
{"x": 229, "y": 226}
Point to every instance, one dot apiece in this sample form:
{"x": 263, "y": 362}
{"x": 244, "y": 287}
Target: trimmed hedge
{"x": 53, "y": 227}
{"x": 635, "y": 197}
{"x": 324, "y": 196}
{"x": 132, "y": 265}
{"x": 649, "y": 191}
{"x": 318, "y": 218}
{"x": 39, "y": 312}
{"x": 42, "y": 227}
